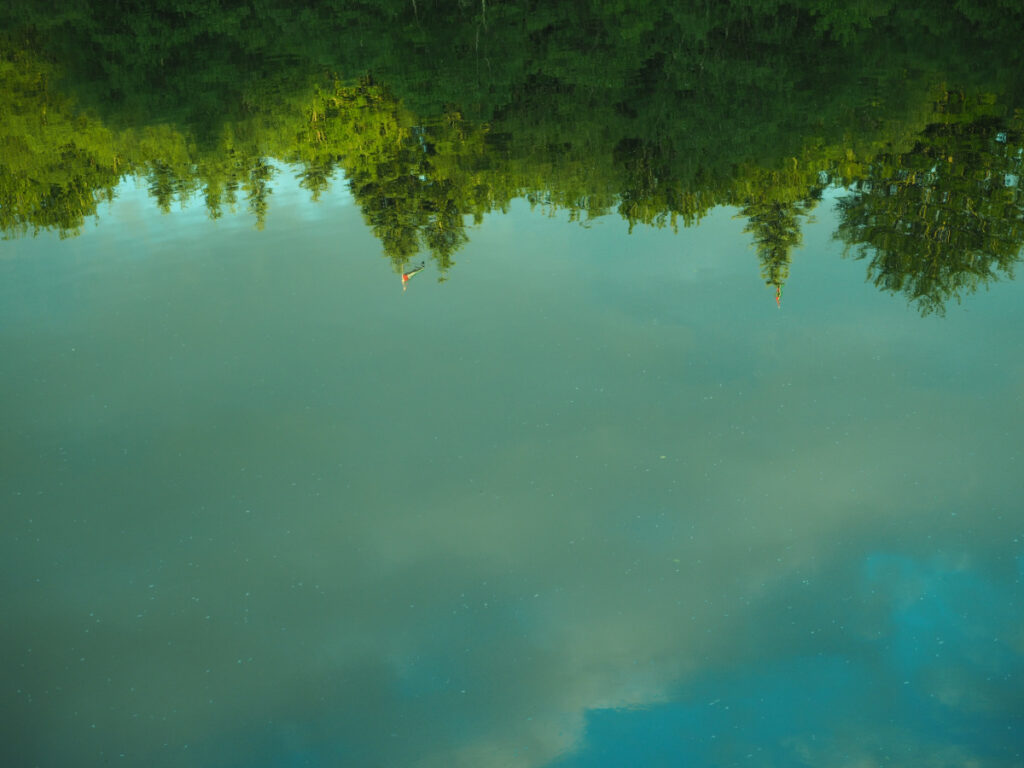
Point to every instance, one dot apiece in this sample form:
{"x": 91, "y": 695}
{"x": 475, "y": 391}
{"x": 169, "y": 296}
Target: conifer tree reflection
{"x": 316, "y": 179}
{"x": 774, "y": 204}
{"x": 776, "y": 230}
{"x": 660, "y": 117}
{"x": 258, "y": 190}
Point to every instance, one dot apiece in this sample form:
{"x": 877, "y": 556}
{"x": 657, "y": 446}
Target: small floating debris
{"x": 407, "y": 276}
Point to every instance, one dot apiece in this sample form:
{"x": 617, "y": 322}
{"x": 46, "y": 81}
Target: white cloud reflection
{"x": 267, "y": 514}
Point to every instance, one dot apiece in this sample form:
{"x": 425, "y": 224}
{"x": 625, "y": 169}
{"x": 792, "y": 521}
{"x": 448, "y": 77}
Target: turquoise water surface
{"x": 594, "y": 500}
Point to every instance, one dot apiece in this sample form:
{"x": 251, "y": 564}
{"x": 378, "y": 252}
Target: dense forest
{"x": 437, "y": 113}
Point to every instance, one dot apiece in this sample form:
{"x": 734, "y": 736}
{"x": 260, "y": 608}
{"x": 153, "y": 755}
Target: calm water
{"x": 695, "y": 442}
{"x": 593, "y": 501}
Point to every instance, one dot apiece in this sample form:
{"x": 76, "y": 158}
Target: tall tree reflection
{"x": 439, "y": 113}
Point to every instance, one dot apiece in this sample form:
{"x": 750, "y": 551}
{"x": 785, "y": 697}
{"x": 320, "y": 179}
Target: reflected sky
{"x": 592, "y": 501}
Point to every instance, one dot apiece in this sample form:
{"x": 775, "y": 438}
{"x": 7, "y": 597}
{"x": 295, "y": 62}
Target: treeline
{"x": 435, "y": 113}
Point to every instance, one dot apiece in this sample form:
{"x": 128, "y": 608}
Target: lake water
{"x": 595, "y": 500}
{"x": 696, "y": 441}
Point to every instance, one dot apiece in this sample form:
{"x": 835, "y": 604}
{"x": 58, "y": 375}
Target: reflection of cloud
{"x": 868, "y": 702}
{"x": 299, "y": 540}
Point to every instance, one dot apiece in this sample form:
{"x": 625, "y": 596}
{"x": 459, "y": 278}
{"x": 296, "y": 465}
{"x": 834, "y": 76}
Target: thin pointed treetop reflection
{"x": 438, "y": 115}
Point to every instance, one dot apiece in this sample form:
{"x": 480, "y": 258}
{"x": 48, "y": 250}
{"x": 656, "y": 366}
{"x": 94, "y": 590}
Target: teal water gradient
{"x": 592, "y": 501}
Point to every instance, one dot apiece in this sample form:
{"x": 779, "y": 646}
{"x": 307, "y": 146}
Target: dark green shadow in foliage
{"x": 943, "y": 219}
{"x": 439, "y": 112}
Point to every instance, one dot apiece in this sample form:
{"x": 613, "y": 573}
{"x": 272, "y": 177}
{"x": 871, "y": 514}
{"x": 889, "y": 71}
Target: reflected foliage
{"x": 436, "y": 113}
{"x": 937, "y": 222}
{"x": 56, "y": 166}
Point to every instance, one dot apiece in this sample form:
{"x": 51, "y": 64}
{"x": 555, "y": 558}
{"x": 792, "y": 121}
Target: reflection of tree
{"x": 411, "y": 212}
{"x": 258, "y": 189}
{"x": 444, "y": 232}
{"x": 660, "y": 117}
{"x": 406, "y": 202}
{"x": 940, "y": 221}
{"x": 55, "y": 167}
{"x": 776, "y": 232}
{"x": 773, "y": 204}
{"x": 316, "y": 179}
{"x": 394, "y": 214}
{"x": 653, "y": 195}
{"x": 166, "y": 185}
